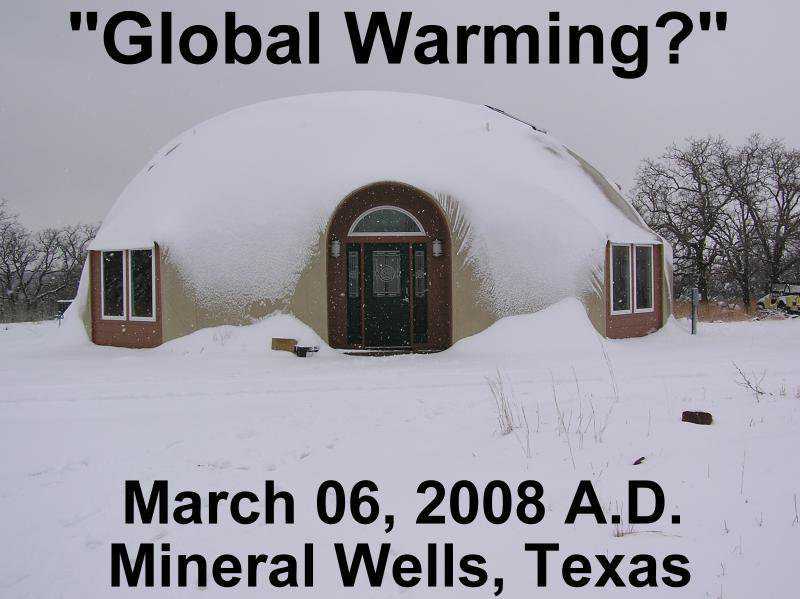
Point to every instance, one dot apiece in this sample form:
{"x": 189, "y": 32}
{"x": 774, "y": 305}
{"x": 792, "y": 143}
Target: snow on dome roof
{"x": 239, "y": 201}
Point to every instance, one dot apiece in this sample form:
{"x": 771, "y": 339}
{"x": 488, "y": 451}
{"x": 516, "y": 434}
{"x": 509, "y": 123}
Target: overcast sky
{"x": 75, "y": 126}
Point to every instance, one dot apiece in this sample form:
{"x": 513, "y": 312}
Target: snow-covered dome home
{"x": 380, "y": 220}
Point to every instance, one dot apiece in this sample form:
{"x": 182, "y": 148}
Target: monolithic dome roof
{"x": 239, "y": 201}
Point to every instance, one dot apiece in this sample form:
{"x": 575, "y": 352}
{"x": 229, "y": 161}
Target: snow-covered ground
{"x": 218, "y": 411}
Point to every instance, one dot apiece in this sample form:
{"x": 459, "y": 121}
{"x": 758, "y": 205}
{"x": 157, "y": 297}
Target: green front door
{"x": 386, "y": 295}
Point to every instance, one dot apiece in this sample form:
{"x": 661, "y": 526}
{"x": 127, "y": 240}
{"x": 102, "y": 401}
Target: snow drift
{"x": 562, "y": 328}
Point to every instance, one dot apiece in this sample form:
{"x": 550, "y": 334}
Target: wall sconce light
{"x": 336, "y": 248}
{"x": 436, "y": 246}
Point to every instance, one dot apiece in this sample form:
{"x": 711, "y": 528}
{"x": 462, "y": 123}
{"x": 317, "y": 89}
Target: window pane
{"x": 353, "y": 294}
{"x": 113, "y": 294}
{"x": 621, "y": 269}
{"x": 353, "y": 274}
{"x": 420, "y": 294}
{"x": 387, "y": 220}
{"x": 420, "y": 275}
{"x": 142, "y": 283}
{"x": 386, "y": 274}
{"x": 644, "y": 277}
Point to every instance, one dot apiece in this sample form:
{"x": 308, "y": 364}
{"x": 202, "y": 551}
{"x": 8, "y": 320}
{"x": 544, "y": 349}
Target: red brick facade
{"x": 620, "y": 326}
{"x": 125, "y": 333}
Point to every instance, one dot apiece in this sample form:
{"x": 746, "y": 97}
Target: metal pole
{"x": 695, "y": 301}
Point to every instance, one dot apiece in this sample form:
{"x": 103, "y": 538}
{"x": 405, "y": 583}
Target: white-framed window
{"x": 386, "y": 221}
{"x": 142, "y": 292}
{"x": 643, "y": 283}
{"x": 632, "y": 278}
{"x": 112, "y": 285}
{"x": 620, "y": 279}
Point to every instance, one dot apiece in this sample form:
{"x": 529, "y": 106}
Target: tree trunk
{"x": 702, "y": 280}
{"x": 746, "y": 299}
{"x": 774, "y": 275}
{"x": 745, "y": 281}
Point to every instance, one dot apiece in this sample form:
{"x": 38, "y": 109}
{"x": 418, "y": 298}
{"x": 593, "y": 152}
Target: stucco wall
{"x": 183, "y": 314}
{"x": 309, "y": 302}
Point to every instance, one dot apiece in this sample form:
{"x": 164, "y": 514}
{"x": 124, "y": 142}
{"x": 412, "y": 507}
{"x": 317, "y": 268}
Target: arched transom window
{"x": 388, "y": 221}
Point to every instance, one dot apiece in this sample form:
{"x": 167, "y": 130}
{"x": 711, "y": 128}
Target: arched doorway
{"x": 389, "y": 271}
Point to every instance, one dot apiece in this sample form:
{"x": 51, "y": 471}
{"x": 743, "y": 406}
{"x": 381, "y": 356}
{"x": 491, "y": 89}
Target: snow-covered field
{"x": 218, "y": 411}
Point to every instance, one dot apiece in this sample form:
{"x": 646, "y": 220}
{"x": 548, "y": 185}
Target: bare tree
{"x": 73, "y": 247}
{"x": 680, "y": 196}
{"x": 732, "y": 214}
{"x": 738, "y": 172}
{"x": 8, "y": 222}
{"x": 41, "y": 274}
{"x": 775, "y": 210}
{"x": 36, "y": 269}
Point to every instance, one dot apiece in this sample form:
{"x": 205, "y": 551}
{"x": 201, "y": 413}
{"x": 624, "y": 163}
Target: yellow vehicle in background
{"x": 782, "y": 297}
